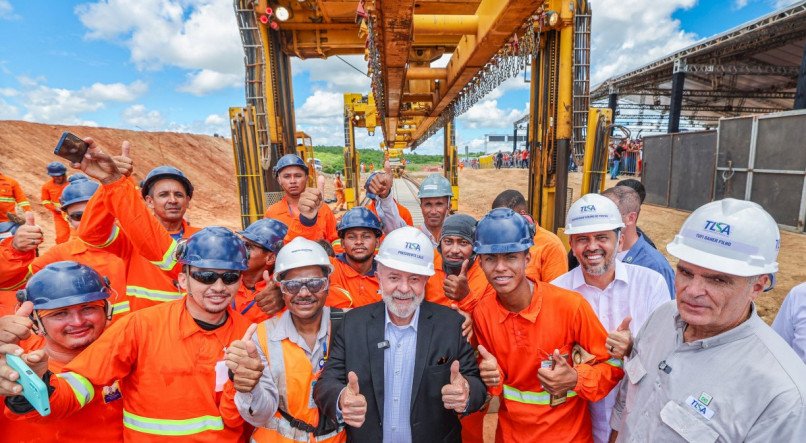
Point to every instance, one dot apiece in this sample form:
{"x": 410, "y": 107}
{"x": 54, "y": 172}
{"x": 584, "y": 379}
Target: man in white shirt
{"x": 790, "y": 323}
{"x": 622, "y": 295}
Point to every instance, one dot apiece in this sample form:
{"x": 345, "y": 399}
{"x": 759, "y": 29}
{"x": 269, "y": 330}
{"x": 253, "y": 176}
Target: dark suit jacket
{"x": 439, "y": 342}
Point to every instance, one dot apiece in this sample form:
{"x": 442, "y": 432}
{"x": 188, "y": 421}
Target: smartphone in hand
{"x": 71, "y": 147}
{"x": 33, "y": 388}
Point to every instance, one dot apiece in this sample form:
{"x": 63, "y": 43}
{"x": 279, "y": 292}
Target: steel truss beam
{"x": 727, "y": 109}
{"x": 657, "y": 92}
{"x": 737, "y": 69}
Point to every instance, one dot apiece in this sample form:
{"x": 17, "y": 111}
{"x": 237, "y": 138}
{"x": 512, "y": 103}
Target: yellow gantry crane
{"x": 359, "y": 112}
{"x": 429, "y": 61}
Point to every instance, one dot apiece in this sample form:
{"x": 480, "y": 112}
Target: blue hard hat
{"x": 267, "y": 232}
{"x": 56, "y": 169}
{"x": 359, "y": 217}
{"x": 502, "y": 231}
{"x": 77, "y": 177}
{"x": 214, "y": 247}
{"x": 161, "y": 172}
{"x": 370, "y": 195}
{"x": 289, "y": 160}
{"x": 64, "y": 283}
{"x": 79, "y": 190}
{"x": 8, "y": 229}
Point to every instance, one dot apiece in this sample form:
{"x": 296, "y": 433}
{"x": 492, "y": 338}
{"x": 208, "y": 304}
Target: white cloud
{"x": 779, "y": 4}
{"x": 629, "y": 33}
{"x": 321, "y": 107}
{"x": 739, "y": 4}
{"x": 139, "y": 116}
{"x": 59, "y": 105}
{"x": 215, "y": 119}
{"x": 487, "y": 114}
{"x": 8, "y": 111}
{"x": 200, "y": 36}
{"x": 205, "y": 81}
{"x": 9, "y": 92}
{"x": 7, "y": 11}
{"x": 337, "y": 74}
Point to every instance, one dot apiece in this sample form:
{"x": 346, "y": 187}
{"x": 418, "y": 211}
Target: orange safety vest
{"x": 295, "y": 378}
{"x": 51, "y": 192}
{"x": 101, "y": 420}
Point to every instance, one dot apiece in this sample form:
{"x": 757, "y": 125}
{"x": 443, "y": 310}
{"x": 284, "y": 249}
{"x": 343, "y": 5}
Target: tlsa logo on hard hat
{"x": 721, "y": 228}
{"x": 587, "y": 208}
{"x": 413, "y": 246}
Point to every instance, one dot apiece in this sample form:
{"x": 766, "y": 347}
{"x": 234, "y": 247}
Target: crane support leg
{"x": 450, "y": 163}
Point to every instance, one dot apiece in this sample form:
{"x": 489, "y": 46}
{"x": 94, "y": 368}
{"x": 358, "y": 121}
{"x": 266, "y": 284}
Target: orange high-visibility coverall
{"x": 51, "y": 191}
{"x": 405, "y": 214}
{"x": 479, "y": 286}
{"x": 325, "y": 221}
{"x": 22, "y": 265}
{"x": 555, "y": 319}
{"x": 101, "y": 420}
{"x": 348, "y": 288}
{"x": 168, "y": 367}
{"x": 143, "y": 245}
{"x": 244, "y": 304}
{"x": 11, "y": 195}
{"x": 8, "y": 297}
{"x": 548, "y": 257}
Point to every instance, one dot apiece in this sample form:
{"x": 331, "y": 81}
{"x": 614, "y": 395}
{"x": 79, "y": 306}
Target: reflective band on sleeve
{"x": 167, "y": 263}
{"x": 7, "y": 200}
{"x": 82, "y": 388}
{"x": 46, "y": 202}
{"x": 24, "y": 203}
{"x": 615, "y": 362}
{"x": 120, "y": 308}
{"x": 344, "y": 292}
{"x": 152, "y": 294}
{"x": 530, "y": 398}
{"x": 112, "y": 237}
{"x": 157, "y": 426}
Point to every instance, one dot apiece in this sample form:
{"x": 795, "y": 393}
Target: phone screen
{"x": 71, "y": 147}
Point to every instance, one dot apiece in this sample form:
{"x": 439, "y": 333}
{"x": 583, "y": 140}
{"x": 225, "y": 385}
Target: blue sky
{"x": 177, "y": 65}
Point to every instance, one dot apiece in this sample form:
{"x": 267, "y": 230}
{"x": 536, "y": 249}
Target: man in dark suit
{"x": 400, "y": 370}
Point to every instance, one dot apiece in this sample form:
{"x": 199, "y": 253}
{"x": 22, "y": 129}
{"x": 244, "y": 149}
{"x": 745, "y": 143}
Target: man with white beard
{"x": 622, "y": 295}
{"x": 400, "y": 370}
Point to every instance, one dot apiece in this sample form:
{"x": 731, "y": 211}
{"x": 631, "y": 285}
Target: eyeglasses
{"x": 210, "y": 277}
{"x": 76, "y": 216}
{"x": 314, "y": 285}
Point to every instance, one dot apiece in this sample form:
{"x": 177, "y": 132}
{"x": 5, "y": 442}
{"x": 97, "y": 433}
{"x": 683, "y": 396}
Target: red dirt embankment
{"x": 26, "y": 148}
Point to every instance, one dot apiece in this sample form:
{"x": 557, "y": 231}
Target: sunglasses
{"x": 76, "y": 216}
{"x": 210, "y": 277}
{"x": 314, "y": 285}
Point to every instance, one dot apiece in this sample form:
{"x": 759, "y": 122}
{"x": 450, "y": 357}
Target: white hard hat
{"x": 300, "y": 252}
{"x": 407, "y": 249}
{"x": 592, "y": 213}
{"x": 737, "y": 237}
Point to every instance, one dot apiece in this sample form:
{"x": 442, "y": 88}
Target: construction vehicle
{"x": 487, "y": 41}
{"x": 396, "y": 161}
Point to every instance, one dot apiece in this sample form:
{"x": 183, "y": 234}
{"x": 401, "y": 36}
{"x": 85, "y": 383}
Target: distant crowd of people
{"x": 625, "y": 157}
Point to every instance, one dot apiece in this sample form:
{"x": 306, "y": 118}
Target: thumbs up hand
{"x": 381, "y": 184}
{"x": 29, "y": 236}
{"x": 17, "y": 327}
{"x": 124, "y": 162}
{"x": 270, "y": 299}
{"x": 619, "y": 342}
{"x": 353, "y": 405}
{"x": 560, "y": 378}
{"x": 456, "y": 287}
{"x": 488, "y": 368}
{"x": 456, "y": 393}
{"x": 311, "y": 200}
{"x": 242, "y": 359}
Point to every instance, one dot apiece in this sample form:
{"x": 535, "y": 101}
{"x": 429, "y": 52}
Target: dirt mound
{"x": 26, "y": 148}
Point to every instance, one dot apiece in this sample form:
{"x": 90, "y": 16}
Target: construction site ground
{"x": 25, "y": 149}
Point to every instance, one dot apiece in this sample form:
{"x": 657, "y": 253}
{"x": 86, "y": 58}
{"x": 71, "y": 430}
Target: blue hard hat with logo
{"x": 163, "y": 172}
{"x": 56, "y": 169}
{"x": 64, "y": 283}
{"x": 267, "y": 232}
{"x": 213, "y": 247}
{"x": 359, "y": 217}
{"x": 79, "y": 190}
{"x": 289, "y": 160}
{"x": 502, "y": 231}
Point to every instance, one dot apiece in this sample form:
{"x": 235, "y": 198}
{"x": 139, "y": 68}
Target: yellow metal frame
{"x": 249, "y": 174}
{"x": 595, "y": 115}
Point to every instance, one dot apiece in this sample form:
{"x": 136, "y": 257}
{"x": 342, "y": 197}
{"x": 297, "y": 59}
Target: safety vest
{"x": 292, "y": 372}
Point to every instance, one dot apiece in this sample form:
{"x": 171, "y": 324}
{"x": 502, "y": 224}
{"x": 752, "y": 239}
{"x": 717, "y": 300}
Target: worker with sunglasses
{"x": 21, "y": 262}
{"x": 293, "y": 348}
